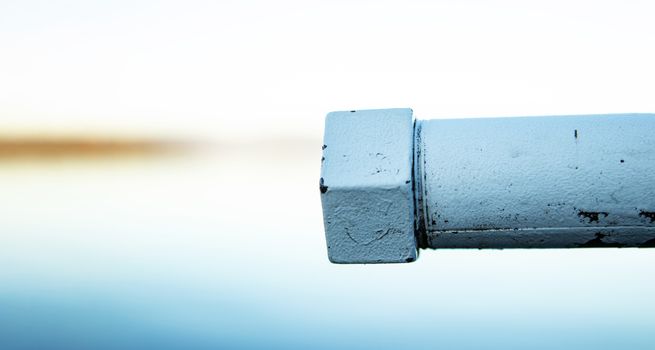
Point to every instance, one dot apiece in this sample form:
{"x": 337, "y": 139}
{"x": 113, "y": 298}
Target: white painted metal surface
{"x": 538, "y": 182}
{"x": 366, "y": 189}
{"x": 546, "y": 182}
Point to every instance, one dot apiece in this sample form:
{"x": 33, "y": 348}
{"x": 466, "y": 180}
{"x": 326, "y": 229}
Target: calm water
{"x": 224, "y": 249}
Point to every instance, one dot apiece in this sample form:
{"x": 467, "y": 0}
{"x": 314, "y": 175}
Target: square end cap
{"x": 366, "y": 186}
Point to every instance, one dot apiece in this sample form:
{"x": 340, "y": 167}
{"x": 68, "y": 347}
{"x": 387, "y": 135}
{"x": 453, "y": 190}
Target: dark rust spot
{"x": 321, "y": 186}
{"x": 648, "y": 214}
{"x": 575, "y": 133}
{"x": 592, "y": 216}
{"x": 324, "y": 147}
{"x": 648, "y": 244}
{"x": 598, "y": 242}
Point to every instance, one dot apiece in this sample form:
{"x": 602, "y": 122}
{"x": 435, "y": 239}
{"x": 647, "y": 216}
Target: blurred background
{"x": 159, "y": 165}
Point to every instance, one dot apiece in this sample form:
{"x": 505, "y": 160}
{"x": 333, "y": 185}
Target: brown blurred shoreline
{"x": 81, "y": 147}
{"x": 44, "y": 148}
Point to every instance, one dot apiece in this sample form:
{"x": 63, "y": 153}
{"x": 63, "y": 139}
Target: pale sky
{"x": 245, "y": 69}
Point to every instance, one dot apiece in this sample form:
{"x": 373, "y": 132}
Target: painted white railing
{"x": 391, "y": 184}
